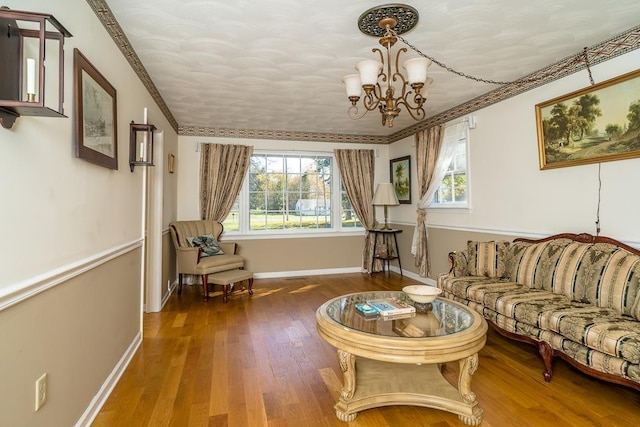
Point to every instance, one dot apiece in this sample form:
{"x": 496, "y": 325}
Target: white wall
{"x": 511, "y": 195}
{"x": 58, "y": 208}
{"x": 71, "y": 252}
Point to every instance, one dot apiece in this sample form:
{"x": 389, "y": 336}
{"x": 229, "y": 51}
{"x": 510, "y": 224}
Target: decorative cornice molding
{"x": 283, "y": 135}
{"x": 104, "y": 14}
{"x": 601, "y": 52}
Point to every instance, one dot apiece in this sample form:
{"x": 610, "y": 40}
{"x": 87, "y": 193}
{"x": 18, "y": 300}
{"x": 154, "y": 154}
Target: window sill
{"x": 282, "y": 234}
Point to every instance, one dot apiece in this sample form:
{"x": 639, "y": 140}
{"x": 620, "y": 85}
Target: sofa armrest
{"x": 229, "y": 247}
{"x": 459, "y": 263}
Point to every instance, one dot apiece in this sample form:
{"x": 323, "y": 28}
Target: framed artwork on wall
{"x": 401, "y": 178}
{"x": 95, "y": 107}
{"x": 600, "y": 123}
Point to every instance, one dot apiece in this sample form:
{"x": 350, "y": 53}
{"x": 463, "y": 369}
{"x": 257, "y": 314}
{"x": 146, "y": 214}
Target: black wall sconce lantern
{"x": 26, "y": 39}
{"x": 140, "y": 144}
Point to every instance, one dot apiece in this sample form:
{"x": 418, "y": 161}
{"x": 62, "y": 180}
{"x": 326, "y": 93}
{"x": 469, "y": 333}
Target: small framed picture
{"x": 401, "y": 178}
{"x": 96, "y": 127}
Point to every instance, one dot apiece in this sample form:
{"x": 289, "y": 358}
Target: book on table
{"x": 391, "y": 306}
{"x": 366, "y": 309}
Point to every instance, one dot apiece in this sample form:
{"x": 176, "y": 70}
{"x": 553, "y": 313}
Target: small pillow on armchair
{"x": 488, "y": 258}
{"x": 208, "y": 245}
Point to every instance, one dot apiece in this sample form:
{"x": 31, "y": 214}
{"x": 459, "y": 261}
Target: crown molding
{"x": 104, "y": 14}
{"x": 601, "y": 52}
{"x": 284, "y": 135}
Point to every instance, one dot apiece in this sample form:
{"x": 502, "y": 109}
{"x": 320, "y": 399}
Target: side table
{"x": 387, "y": 250}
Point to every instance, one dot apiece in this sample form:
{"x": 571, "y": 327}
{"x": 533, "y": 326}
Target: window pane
{"x": 290, "y": 192}
{"x": 349, "y": 219}
{"x": 454, "y": 188}
{"x": 232, "y": 221}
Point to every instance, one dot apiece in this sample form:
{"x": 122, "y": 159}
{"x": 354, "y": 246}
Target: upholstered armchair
{"x": 201, "y": 255}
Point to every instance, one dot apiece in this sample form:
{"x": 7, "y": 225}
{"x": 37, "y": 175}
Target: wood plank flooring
{"x": 258, "y": 361}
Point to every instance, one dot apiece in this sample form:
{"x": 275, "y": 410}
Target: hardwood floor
{"x": 258, "y": 361}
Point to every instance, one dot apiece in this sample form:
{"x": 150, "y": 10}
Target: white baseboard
{"x": 107, "y": 387}
{"x": 414, "y": 276}
{"x": 277, "y": 274}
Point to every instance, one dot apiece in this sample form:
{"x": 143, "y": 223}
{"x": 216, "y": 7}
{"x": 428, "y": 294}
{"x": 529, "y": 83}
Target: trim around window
{"x": 241, "y": 228}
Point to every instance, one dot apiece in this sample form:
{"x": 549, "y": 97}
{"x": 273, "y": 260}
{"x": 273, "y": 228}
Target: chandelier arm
{"x": 353, "y": 113}
{"x": 371, "y": 101}
{"x": 419, "y": 111}
{"x": 402, "y": 49}
{"x": 577, "y": 58}
{"x": 381, "y": 75}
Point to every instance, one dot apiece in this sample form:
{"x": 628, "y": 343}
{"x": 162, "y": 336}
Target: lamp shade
{"x": 352, "y": 84}
{"x": 417, "y": 69}
{"x": 385, "y": 195}
{"x": 369, "y": 71}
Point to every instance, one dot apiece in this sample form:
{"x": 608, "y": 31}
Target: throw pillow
{"x": 208, "y": 245}
{"x": 487, "y": 258}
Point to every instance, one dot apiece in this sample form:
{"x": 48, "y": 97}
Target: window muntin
{"x": 291, "y": 193}
{"x": 454, "y": 188}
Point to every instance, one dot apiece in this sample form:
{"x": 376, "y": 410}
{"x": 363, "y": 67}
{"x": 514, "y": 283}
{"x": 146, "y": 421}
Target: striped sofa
{"x": 575, "y": 296}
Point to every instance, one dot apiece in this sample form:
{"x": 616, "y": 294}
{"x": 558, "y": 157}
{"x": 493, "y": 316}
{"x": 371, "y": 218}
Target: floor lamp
{"x": 385, "y": 195}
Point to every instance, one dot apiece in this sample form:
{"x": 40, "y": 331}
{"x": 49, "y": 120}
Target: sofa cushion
{"x": 487, "y": 258}
{"x": 460, "y": 263}
{"x": 608, "y": 277}
{"x": 208, "y": 245}
{"x": 599, "y": 328}
{"x": 567, "y": 269}
{"x": 214, "y": 264}
{"x": 534, "y": 264}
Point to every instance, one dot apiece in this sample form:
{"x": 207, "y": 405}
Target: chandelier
{"x": 377, "y": 78}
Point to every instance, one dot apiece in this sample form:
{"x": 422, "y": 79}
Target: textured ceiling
{"x": 276, "y": 65}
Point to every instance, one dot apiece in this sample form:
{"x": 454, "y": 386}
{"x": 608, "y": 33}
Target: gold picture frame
{"x": 600, "y": 123}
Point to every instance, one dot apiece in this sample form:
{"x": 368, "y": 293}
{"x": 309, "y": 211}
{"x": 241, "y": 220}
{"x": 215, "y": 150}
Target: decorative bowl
{"x": 422, "y": 293}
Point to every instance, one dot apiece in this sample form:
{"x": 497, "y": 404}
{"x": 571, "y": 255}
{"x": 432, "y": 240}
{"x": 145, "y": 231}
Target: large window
{"x": 454, "y": 189}
{"x": 292, "y": 193}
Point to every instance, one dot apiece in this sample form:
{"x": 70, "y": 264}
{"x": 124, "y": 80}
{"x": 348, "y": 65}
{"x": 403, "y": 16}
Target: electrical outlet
{"x": 41, "y": 391}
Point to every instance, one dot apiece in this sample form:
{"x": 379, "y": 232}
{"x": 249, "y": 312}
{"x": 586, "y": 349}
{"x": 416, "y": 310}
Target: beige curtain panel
{"x": 428, "y": 143}
{"x": 357, "y": 171}
{"x": 222, "y": 170}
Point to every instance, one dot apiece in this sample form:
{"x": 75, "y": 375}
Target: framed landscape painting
{"x": 600, "y": 123}
{"x": 401, "y": 178}
{"x": 96, "y": 136}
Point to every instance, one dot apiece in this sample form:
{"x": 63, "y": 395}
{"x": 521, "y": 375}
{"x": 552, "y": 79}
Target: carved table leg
{"x": 468, "y": 367}
{"x": 348, "y": 367}
{"x": 546, "y": 352}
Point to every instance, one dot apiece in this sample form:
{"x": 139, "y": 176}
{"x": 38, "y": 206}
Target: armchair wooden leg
{"x": 179, "y": 283}
{"x": 205, "y": 287}
{"x": 251, "y": 286}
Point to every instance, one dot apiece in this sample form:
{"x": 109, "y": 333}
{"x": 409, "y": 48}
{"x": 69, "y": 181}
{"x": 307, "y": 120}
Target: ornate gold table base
{"x": 371, "y": 383}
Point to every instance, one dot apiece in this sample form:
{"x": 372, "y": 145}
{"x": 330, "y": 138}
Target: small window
{"x": 454, "y": 189}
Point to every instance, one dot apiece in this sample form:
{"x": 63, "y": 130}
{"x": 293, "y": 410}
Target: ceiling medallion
{"x": 406, "y": 18}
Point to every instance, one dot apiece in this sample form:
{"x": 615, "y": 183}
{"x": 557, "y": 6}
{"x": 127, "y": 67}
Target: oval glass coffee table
{"x": 397, "y": 361}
